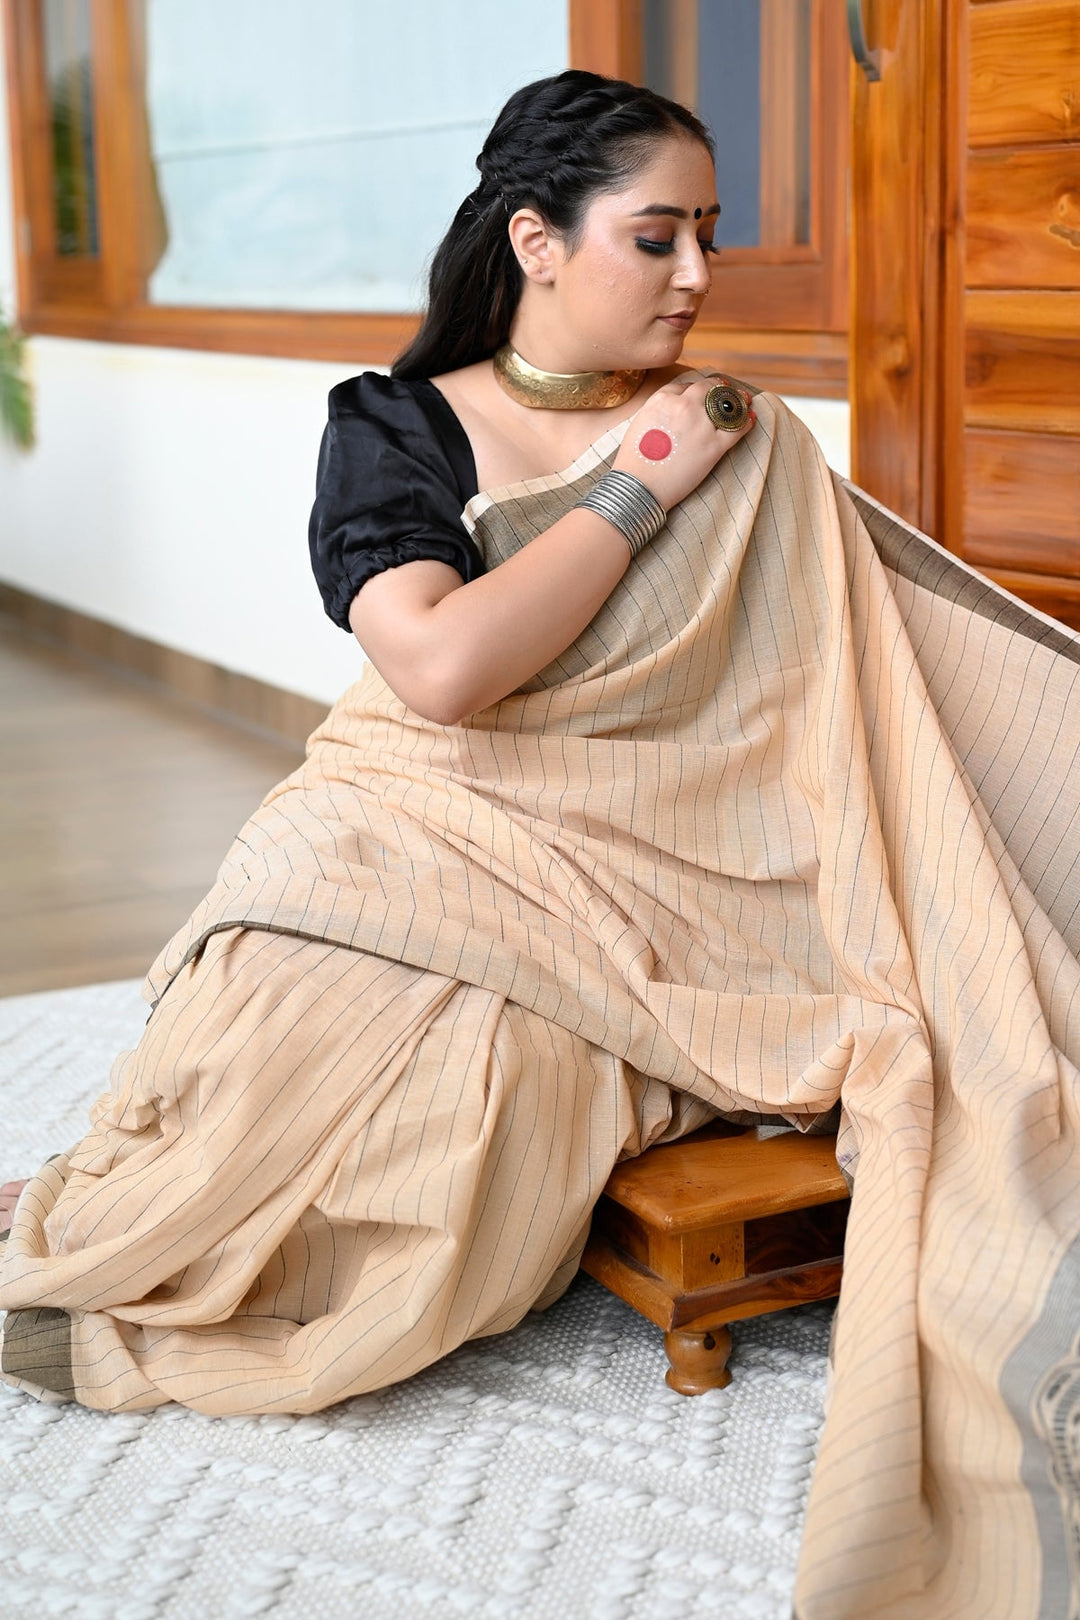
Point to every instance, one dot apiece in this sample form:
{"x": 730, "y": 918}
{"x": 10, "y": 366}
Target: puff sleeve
{"x": 395, "y": 471}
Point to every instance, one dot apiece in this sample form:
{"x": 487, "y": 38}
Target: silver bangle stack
{"x": 629, "y": 505}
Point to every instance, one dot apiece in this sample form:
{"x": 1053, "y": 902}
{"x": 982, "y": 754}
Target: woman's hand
{"x": 671, "y": 444}
{"x": 9, "y": 1197}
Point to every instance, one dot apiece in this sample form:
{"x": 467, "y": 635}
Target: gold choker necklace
{"x": 563, "y": 390}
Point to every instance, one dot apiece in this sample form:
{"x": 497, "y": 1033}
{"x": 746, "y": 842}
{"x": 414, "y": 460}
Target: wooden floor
{"x": 116, "y": 807}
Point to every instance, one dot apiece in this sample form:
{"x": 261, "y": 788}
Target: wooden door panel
{"x": 902, "y": 220}
{"x": 1023, "y": 501}
{"x": 1024, "y": 80}
{"x": 1022, "y": 361}
{"x": 1023, "y": 218}
{"x": 966, "y": 272}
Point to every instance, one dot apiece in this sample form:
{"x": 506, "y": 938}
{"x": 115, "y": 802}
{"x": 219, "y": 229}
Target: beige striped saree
{"x": 793, "y": 822}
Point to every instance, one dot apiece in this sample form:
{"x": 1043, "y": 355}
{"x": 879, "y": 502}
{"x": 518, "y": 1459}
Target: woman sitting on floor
{"x": 666, "y": 792}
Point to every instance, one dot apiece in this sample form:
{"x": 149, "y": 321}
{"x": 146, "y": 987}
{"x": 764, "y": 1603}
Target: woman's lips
{"x": 684, "y": 320}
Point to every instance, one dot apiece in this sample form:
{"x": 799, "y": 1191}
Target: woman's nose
{"x": 692, "y": 273}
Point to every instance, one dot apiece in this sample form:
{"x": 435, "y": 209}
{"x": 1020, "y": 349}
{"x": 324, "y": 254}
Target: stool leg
{"x": 698, "y": 1360}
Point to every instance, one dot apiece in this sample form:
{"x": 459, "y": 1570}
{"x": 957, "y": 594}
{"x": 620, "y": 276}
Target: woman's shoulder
{"x": 393, "y": 423}
{"x": 376, "y": 395}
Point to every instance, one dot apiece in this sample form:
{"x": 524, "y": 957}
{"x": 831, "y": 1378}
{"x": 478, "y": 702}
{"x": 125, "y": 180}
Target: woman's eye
{"x": 649, "y": 245}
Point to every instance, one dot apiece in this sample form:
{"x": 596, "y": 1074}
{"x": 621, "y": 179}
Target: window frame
{"x": 804, "y": 349}
{"x": 102, "y": 299}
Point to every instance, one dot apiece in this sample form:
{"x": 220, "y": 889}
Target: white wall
{"x": 829, "y": 420}
{"x": 169, "y": 494}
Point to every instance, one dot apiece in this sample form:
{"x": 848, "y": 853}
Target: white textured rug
{"x": 547, "y": 1473}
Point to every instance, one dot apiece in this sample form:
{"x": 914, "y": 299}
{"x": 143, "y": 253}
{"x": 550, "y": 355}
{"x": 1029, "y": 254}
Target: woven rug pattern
{"x": 546, "y": 1473}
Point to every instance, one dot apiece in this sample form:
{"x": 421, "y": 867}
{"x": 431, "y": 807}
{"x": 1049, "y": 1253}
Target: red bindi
{"x": 655, "y": 445}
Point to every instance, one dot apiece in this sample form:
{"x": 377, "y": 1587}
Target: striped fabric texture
{"x": 792, "y": 823}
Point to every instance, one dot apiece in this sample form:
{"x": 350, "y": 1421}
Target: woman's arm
{"x": 448, "y": 649}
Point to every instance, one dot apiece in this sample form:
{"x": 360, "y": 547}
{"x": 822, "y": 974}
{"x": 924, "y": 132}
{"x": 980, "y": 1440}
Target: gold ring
{"x": 726, "y": 407}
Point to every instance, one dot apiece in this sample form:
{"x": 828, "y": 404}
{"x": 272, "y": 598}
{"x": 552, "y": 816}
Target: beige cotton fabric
{"x": 793, "y": 822}
{"x": 318, "y": 1172}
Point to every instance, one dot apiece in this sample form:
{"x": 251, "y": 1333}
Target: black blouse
{"x": 395, "y": 470}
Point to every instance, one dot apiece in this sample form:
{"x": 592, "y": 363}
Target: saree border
{"x": 913, "y": 556}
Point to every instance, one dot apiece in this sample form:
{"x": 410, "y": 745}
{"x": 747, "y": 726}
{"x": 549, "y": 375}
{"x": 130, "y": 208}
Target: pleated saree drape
{"x": 792, "y": 823}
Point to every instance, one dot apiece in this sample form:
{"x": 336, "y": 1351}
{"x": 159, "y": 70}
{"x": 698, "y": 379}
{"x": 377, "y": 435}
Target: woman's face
{"x": 630, "y": 290}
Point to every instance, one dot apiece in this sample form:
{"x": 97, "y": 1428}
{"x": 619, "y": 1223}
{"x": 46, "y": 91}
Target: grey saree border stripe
{"x": 1045, "y": 1363}
{"x": 915, "y": 557}
{"x": 534, "y": 509}
{"x": 36, "y": 1346}
{"x": 903, "y": 549}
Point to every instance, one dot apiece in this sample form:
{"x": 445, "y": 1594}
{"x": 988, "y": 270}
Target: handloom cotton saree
{"x": 792, "y": 823}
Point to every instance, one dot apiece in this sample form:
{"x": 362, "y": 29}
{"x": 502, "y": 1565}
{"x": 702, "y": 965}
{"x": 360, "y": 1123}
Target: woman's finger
{"x": 678, "y": 385}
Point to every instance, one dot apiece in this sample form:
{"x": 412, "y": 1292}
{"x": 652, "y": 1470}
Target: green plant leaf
{"x": 16, "y": 400}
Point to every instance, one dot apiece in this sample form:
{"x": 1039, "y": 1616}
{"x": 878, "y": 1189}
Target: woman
{"x": 602, "y": 269}
{"x": 644, "y": 809}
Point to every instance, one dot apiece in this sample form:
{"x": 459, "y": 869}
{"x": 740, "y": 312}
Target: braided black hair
{"x": 556, "y": 145}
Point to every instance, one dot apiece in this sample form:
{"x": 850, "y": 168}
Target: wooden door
{"x": 965, "y": 372}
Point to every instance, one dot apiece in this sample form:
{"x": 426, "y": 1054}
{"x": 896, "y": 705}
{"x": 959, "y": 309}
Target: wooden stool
{"x": 718, "y": 1226}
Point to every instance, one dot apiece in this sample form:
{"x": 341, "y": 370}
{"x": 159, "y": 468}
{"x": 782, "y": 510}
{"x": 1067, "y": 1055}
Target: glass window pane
{"x": 69, "y": 80}
{"x": 310, "y": 154}
{"x": 745, "y": 68}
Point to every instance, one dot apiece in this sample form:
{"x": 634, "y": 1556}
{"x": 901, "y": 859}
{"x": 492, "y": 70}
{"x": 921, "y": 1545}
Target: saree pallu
{"x": 791, "y": 824}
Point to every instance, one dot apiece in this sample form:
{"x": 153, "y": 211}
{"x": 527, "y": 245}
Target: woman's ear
{"x": 533, "y": 243}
